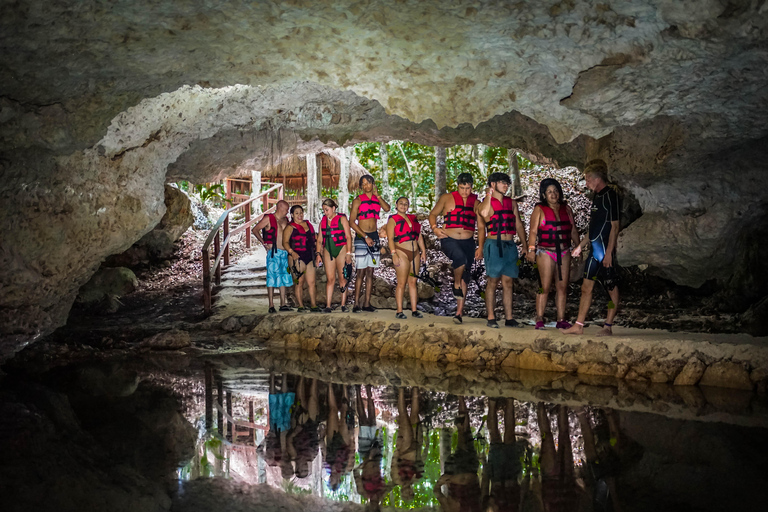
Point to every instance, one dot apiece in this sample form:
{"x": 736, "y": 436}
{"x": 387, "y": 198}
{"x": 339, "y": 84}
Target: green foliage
{"x": 214, "y": 194}
{"x": 459, "y": 159}
{"x": 183, "y": 185}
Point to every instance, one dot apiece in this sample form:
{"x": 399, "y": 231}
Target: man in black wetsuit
{"x": 603, "y": 234}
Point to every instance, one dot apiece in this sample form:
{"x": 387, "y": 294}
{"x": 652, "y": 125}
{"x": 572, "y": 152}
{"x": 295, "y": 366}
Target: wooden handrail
{"x": 221, "y": 248}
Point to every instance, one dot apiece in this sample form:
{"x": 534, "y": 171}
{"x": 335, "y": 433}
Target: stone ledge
{"x": 723, "y": 360}
{"x": 681, "y": 402}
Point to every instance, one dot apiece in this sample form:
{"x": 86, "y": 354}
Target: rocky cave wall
{"x": 102, "y": 104}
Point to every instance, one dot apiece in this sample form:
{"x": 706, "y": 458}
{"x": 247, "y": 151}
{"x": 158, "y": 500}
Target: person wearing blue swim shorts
{"x": 269, "y": 231}
{"x": 499, "y": 221}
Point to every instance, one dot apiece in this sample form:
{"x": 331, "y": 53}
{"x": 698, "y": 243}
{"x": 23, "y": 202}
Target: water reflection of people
{"x": 559, "y": 488}
{"x": 274, "y": 448}
{"x": 503, "y": 468}
{"x": 339, "y": 439}
{"x": 408, "y": 460}
{"x": 304, "y": 441}
{"x": 461, "y": 470}
{"x": 368, "y": 478}
{"x": 602, "y": 447}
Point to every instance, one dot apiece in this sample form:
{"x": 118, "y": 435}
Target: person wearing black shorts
{"x": 457, "y": 235}
{"x": 603, "y": 234}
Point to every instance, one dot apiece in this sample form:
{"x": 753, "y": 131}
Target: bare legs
{"x": 490, "y": 296}
{"x": 309, "y": 278}
{"x": 332, "y": 267}
{"x": 547, "y": 273}
{"x": 364, "y": 279}
{"x": 586, "y": 301}
{"x": 403, "y": 276}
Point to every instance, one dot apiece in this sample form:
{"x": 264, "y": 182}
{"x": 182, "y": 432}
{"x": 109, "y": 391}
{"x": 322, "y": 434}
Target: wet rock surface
{"x": 86, "y": 441}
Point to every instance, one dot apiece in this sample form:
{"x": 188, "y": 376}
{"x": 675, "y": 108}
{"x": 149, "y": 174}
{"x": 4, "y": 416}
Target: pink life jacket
{"x": 463, "y": 215}
{"x": 270, "y": 235}
{"x": 301, "y": 240}
{"x": 552, "y": 230}
{"x": 502, "y": 222}
{"x": 369, "y": 208}
{"x": 404, "y": 232}
{"x": 336, "y": 231}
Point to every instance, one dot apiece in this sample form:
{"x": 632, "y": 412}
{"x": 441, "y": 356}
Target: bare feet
{"x": 574, "y": 329}
{"x": 605, "y": 331}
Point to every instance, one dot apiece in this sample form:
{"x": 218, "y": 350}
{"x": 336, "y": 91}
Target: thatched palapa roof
{"x": 295, "y": 169}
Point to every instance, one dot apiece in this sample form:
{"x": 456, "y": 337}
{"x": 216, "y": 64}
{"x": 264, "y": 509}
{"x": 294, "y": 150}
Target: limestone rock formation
{"x": 108, "y": 284}
{"x": 102, "y": 105}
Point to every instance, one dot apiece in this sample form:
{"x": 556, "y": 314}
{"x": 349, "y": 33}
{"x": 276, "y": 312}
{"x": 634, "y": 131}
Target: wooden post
{"x": 441, "y": 185}
{"x": 220, "y": 401}
{"x": 255, "y": 189}
{"x": 313, "y": 189}
{"x": 206, "y": 281}
{"x": 216, "y": 251}
{"x": 230, "y": 426}
{"x": 208, "y": 397}
{"x": 346, "y": 155}
{"x": 248, "y": 231}
{"x": 226, "y": 242}
{"x": 251, "y": 432}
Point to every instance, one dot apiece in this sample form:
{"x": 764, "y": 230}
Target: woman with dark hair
{"x": 405, "y": 244}
{"x": 335, "y": 238}
{"x": 552, "y": 233}
{"x": 299, "y": 239}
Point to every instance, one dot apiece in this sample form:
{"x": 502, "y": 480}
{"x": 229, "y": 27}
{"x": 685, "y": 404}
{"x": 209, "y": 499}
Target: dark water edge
{"x": 131, "y": 435}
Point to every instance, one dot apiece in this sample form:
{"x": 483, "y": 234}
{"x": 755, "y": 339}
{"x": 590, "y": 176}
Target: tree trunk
{"x": 410, "y": 176}
{"x": 385, "y": 190}
{"x": 440, "y": 176}
{"x": 514, "y": 173}
{"x": 346, "y": 155}
{"x": 482, "y": 159}
{"x": 256, "y": 190}
{"x": 314, "y": 184}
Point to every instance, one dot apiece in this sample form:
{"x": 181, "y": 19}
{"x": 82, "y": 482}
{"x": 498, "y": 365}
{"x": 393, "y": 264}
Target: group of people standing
{"x": 472, "y": 229}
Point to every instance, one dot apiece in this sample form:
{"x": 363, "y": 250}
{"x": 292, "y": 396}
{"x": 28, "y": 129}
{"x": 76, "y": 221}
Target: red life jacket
{"x": 369, "y": 208}
{"x": 270, "y": 235}
{"x": 502, "y": 222}
{"x": 552, "y": 229}
{"x": 302, "y": 241}
{"x": 463, "y": 215}
{"x": 336, "y": 230}
{"x": 404, "y": 232}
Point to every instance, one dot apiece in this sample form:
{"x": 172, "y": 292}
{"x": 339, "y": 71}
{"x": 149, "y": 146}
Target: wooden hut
{"x": 292, "y": 173}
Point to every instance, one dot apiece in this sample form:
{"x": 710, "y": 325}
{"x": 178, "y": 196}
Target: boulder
{"x": 691, "y": 373}
{"x": 107, "y": 285}
{"x": 530, "y": 360}
{"x": 725, "y": 374}
{"x": 755, "y": 319}
{"x": 171, "y": 340}
{"x": 158, "y": 243}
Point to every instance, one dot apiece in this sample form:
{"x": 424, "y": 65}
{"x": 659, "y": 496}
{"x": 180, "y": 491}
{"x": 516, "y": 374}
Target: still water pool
{"x": 184, "y": 433}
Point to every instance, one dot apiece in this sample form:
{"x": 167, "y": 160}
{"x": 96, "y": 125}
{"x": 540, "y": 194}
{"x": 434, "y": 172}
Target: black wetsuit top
{"x": 605, "y": 208}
